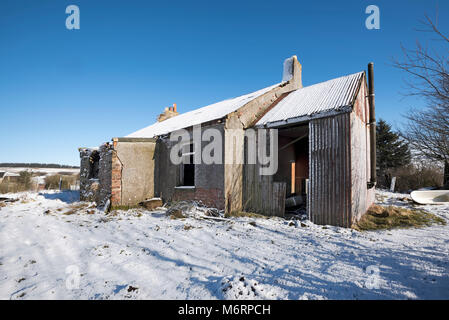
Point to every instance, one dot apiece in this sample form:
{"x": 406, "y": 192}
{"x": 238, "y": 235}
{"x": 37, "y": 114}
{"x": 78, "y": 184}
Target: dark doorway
{"x": 94, "y": 165}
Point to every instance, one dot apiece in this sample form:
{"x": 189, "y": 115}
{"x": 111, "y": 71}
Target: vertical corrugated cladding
{"x": 329, "y": 199}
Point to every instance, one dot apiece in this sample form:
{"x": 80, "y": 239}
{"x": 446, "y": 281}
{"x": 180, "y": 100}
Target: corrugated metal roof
{"x": 208, "y": 113}
{"x": 330, "y": 96}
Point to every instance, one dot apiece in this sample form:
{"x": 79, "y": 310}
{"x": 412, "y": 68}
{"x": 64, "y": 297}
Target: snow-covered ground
{"x": 47, "y": 254}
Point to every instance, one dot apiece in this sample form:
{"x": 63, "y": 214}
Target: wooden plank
{"x": 293, "y": 141}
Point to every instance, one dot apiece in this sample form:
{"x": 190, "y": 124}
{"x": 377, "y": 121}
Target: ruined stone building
{"x": 323, "y": 144}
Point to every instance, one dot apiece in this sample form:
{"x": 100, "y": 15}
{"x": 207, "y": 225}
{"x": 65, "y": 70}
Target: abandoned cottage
{"x": 321, "y": 136}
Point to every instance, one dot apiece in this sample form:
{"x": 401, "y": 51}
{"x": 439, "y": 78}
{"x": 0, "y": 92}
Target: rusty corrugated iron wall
{"x": 329, "y": 197}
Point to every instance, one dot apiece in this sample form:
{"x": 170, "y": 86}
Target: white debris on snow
{"x": 397, "y": 199}
{"x": 138, "y": 254}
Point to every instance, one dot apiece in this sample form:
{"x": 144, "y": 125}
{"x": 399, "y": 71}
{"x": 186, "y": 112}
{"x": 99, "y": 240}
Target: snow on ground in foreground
{"x": 145, "y": 255}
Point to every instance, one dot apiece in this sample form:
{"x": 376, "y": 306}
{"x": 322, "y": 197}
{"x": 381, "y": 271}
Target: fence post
{"x": 393, "y": 183}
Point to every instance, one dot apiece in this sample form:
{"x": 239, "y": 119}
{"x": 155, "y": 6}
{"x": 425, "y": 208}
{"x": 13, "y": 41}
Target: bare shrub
{"x": 4, "y": 187}
{"x": 427, "y": 68}
{"x": 413, "y": 177}
{"x": 25, "y": 182}
{"x": 18, "y": 184}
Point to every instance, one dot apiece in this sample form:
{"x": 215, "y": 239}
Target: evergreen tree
{"x": 392, "y": 151}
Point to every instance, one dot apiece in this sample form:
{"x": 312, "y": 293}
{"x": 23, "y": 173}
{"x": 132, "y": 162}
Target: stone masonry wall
{"x": 116, "y": 184}
{"x": 87, "y": 191}
{"x": 96, "y": 188}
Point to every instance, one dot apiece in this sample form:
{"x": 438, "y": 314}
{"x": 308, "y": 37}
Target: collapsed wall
{"x": 122, "y": 172}
{"x": 95, "y": 174}
{"x": 132, "y": 171}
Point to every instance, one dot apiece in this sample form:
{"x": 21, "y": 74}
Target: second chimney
{"x": 169, "y": 112}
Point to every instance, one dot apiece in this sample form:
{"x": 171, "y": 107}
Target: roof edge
{"x": 133, "y": 139}
{"x": 307, "y": 118}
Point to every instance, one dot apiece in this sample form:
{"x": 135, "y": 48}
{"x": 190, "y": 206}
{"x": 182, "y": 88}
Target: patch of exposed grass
{"x": 378, "y": 217}
{"x": 240, "y": 214}
{"x": 123, "y": 208}
{"x": 74, "y": 208}
{"x": 176, "y": 214}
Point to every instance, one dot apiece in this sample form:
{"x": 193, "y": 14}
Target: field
{"x": 19, "y": 179}
{"x": 44, "y": 171}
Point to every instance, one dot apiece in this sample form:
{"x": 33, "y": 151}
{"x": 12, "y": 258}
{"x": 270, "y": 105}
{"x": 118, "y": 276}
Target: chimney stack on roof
{"x": 169, "y": 112}
{"x": 292, "y": 72}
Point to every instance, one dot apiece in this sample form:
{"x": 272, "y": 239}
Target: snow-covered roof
{"x": 330, "y": 96}
{"x": 11, "y": 174}
{"x": 208, "y": 113}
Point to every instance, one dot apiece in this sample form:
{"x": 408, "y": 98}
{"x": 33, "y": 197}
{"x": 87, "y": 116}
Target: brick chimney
{"x": 168, "y": 113}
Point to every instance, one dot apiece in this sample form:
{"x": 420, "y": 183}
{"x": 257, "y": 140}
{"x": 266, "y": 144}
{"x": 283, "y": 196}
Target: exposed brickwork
{"x": 168, "y": 113}
{"x": 213, "y": 198}
{"x": 116, "y": 181}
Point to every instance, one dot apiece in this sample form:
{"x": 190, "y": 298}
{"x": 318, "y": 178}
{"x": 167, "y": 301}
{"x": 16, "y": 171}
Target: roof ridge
{"x": 315, "y": 84}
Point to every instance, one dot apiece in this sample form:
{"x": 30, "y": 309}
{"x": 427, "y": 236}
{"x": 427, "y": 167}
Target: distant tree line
{"x": 37, "y": 165}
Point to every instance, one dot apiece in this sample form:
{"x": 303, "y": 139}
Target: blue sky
{"x": 62, "y": 89}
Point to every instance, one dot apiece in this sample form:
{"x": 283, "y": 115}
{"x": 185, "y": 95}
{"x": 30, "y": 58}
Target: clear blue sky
{"x": 63, "y": 89}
